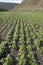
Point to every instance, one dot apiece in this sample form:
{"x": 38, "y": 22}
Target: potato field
{"x": 21, "y": 38}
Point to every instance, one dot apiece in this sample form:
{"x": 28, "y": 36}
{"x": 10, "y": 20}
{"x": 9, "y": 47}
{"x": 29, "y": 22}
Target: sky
{"x": 13, "y": 1}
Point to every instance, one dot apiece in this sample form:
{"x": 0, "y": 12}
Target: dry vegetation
{"x": 30, "y": 5}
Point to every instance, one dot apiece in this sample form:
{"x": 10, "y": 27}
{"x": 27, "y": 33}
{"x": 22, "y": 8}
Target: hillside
{"x": 30, "y": 5}
{"x": 7, "y": 6}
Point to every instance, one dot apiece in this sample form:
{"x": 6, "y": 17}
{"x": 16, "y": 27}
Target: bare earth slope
{"x": 30, "y": 5}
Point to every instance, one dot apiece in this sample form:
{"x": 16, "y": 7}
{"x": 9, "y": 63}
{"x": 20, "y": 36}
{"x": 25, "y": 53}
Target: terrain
{"x": 21, "y": 33}
{"x": 25, "y": 5}
{"x": 7, "y": 6}
{"x": 21, "y": 38}
{"x": 30, "y": 5}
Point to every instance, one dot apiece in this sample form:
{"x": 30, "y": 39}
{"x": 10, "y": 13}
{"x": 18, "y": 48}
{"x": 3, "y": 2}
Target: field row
{"x": 21, "y": 41}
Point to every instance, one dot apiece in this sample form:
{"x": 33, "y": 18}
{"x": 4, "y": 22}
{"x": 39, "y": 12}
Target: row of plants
{"x": 21, "y": 58}
{"x": 30, "y": 54}
{"x": 3, "y": 44}
{"x": 38, "y": 40}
